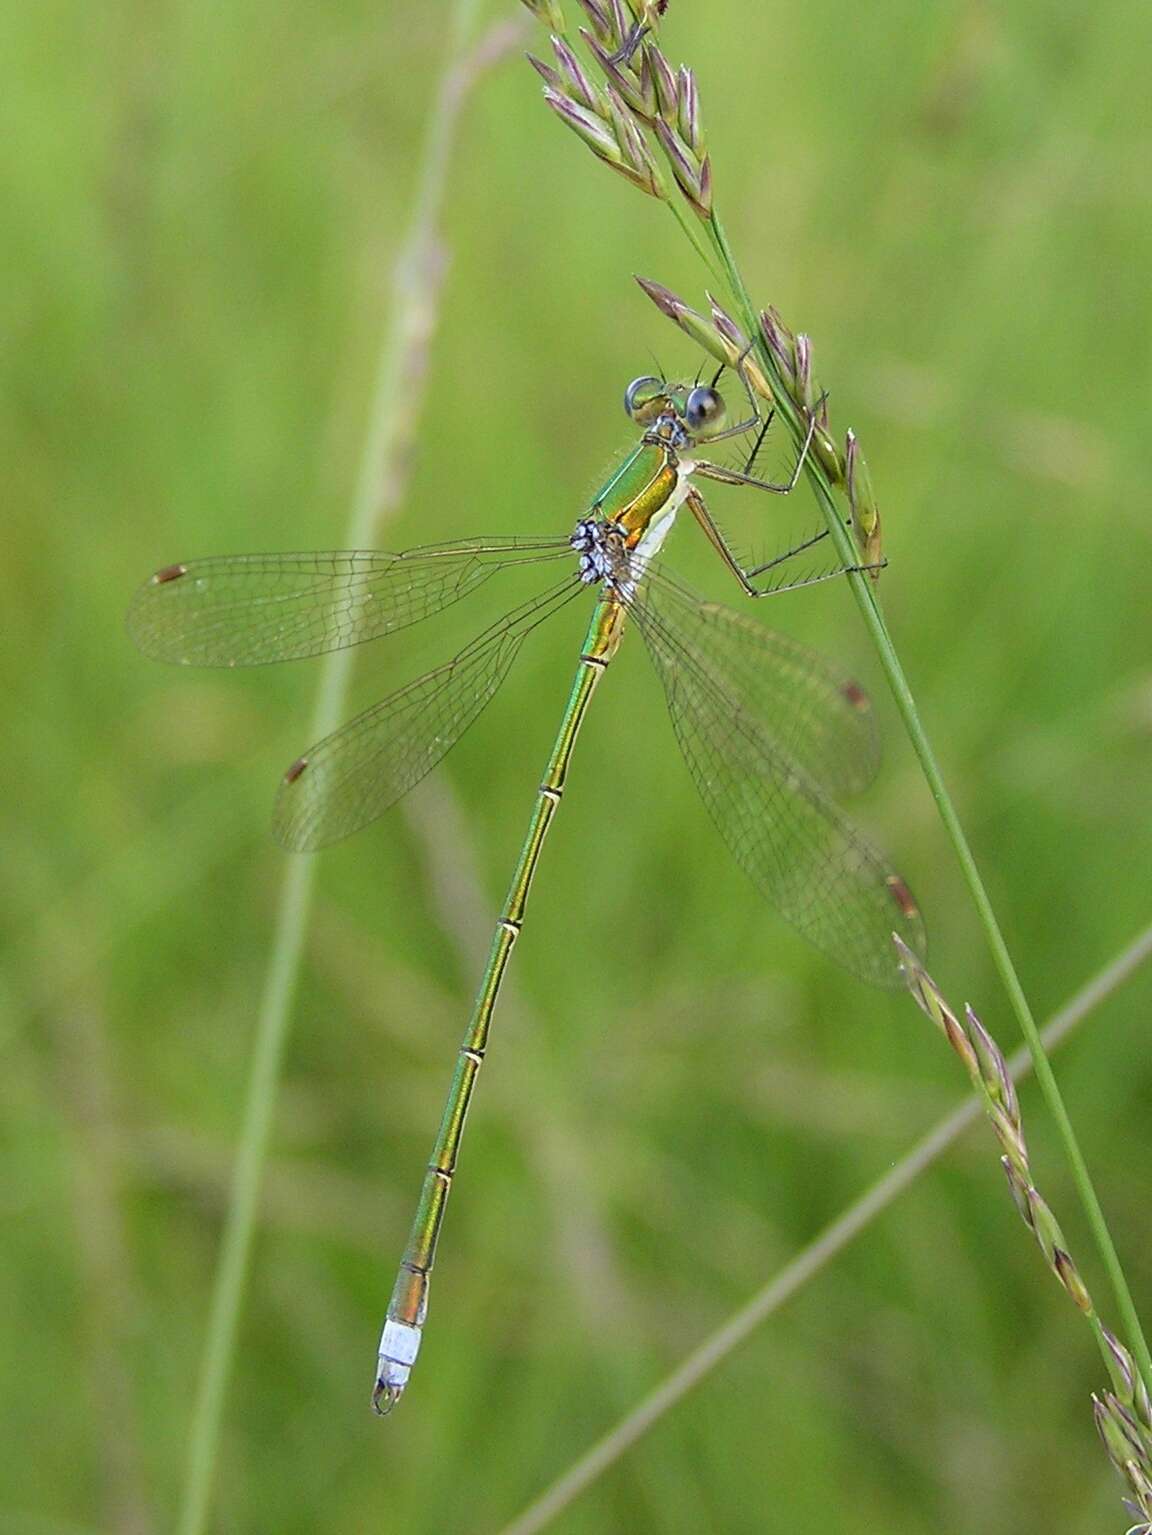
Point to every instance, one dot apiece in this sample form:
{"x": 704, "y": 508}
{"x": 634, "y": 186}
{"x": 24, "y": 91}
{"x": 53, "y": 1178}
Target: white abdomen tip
{"x": 399, "y": 1345}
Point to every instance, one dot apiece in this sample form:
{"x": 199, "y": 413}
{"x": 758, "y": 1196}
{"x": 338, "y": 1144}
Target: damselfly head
{"x": 645, "y": 399}
{"x": 704, "y": 411}
{"x": 679, "y": 413}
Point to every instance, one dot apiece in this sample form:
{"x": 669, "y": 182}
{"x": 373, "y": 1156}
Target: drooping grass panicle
{"x": 644, "y": 102}
{"x": 1123, "y": 1414}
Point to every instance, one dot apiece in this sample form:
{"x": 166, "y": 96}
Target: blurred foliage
{"x": 201, "y": 205}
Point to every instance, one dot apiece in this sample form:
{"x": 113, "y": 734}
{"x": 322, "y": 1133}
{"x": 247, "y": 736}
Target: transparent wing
{"x": 818, "y": 716}
{"x": 358, "y": 772}
{"x": 249, "y": 609}
{"x": 823, "y": 877}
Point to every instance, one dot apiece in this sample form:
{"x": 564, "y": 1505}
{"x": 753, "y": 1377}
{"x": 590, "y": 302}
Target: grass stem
{"x": 417, "y": 278}
{"x": 864, "y": 592}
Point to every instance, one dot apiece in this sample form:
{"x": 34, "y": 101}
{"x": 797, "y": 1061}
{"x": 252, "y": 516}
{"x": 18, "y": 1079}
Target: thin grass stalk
{"x": 837, "y": 1236}
{"x": 864, "y": 592}
{"x": 417, "y": 275}
{"x": 87, "y": 1103}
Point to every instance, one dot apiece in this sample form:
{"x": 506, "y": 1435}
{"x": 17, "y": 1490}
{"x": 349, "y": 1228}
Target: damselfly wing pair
{"x": 772, "y": 734}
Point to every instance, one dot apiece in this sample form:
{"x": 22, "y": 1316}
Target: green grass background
{"x": 201, "y": 204}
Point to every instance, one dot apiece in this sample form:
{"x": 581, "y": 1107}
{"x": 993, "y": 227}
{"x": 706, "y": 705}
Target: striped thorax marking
{"x": 614, "y": 555}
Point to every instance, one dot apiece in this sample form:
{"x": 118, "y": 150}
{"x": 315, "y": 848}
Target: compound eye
{"x": 704, "y": 411}
{"x": 644, "y": 398}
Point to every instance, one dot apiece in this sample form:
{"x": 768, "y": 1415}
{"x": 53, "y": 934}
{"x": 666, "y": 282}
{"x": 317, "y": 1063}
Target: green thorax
{"x": 638, "y": 489}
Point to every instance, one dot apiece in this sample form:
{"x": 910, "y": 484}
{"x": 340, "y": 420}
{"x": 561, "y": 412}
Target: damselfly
{"x": 770, "y": 731}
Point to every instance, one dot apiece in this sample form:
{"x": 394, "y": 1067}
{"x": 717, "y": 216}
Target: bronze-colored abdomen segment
{"x": 604, "y": 632}
{"x": 639, "y": 490}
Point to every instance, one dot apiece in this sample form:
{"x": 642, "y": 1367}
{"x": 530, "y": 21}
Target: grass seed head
{"x": 785, "y": 348}
{"x": 663, "y": 80}
{"x": 693, "y": 174}
{"x": 676, "y": 109}
{"x": 634, "y": 148}
{"x": 589, "y": 126}
{"x": 726, "y": 325}
{"x": 742, "y": 357}
{"x": 548, "y": 12}
{"x": 804, "y": 395}
{"x": 1051, "y": 1238}
{"x": 610, "y": 22}
{"x": 1009, "y": 1134}
{"x": 1120, "y": 1367}
{"x": 1069, "y": 1276}
{"x": 1111, "y": 1429}
{"x": 688, "y": 109}
{"x": 1141, "y": 1484}
{"x": 781, "y": 343}
{"x": 621, "y": 21}
{"x": 829, "y": 455}
{"x": 550, "y": 76}
{"x": 930, "y": 1000}
{"x": 576, "y": 81}
{"x": 613, "y": 137}
{"x": 635, "y": 87}
{"x": 1128, "y": 1435}
{"x": 861, "y": 500}
{"x": 1018, "y": 1188}
{"x": 600, "y": 18}
{"x": 993, "y": 1067}
{"x": 702, "y": 331}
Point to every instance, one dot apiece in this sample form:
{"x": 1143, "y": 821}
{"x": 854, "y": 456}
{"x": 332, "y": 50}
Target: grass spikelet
{"x": 1122, "y": 1414}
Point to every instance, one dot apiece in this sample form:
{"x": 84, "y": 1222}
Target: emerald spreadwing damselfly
{"x": 772, "y": 734}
